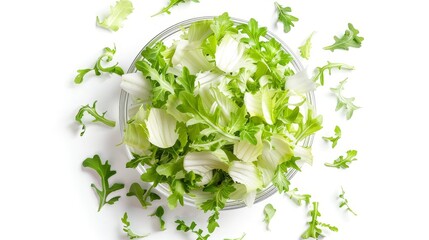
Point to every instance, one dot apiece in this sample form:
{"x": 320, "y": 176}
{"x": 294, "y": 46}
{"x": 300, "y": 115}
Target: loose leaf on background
{"x": 305, "y": 49}
{"x": 285, "y": 17}
{"x": 269, "y": 212}
{"x": 127, "y": 230}
{"x": 349, "y": 39}
{"x": 344, "y": 202}
{"x": 105, "y": 173}
{"x": 106, "y": 57}
{"x": 329, "y": 66}
{"x": 334, "y": 139}
{"x": 343, "y": 162}
{"x": 181, "y": 226}
{"x": 314, "y": 230}
{"x": 298, "y": 198}
{"x": 159, "y": 212}
{"x": 344, "y": 102}
{"x": 93, "y": 112}
{"x": 172, "y": 4}
{"x": 118, "y": 14}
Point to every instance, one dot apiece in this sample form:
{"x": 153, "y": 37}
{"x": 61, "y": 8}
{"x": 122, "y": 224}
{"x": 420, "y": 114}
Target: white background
{"x": 46, "y": 193}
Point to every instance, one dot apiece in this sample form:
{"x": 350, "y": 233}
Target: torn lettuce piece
{"x": 275, "y": 152}
{"x": 300, "y": 83}
{"x": 230, "y": 55}
{"x": 245, "y": 173}
{"x": 189, "y": 54}
{"x": 137, "y": 86}
{"x": 118, "y": 14}
{"x": 248, "y": 152}
{"x": 161, "y": 128}
{"x": 203, "y": 162}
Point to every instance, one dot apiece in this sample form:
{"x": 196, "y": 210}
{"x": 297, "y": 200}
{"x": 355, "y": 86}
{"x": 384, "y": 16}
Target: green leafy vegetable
{"x": 93, "y": 112}
{"x": 172, "y": 4}
{"x": 254, "y": 33}
{"x": 329, "y": 66}
{"x": 212, "y": 223}
{"x": 344, "y": 202}
{"x": 98, "y": 68}
{"x": 269, "y": 212}
{"x": 349, "y": 39}
{"x": 127, "y": 230}
{"x": 221, "y": 25}
{"x": 334, "y": 139}
{"x": 181, "y": 226}
{"x": 218, "y": 117}
{"x": 144, "y": 196}
{"x": 285, "y": 17}
{"x": 220, "y": 196}
{"x": 118, "y": 14}
{"x": 298, "y": 198}
{"x": 344, "y": 162}
{"x": 314, "y": 230}
{"x": 105, "y": 173}
{"x": 159, "y": 212}
{"x": 310, "y": 126}
{"x": 280, "y": 180}
{"x": 305, "y": 49}
{"x": 343, "y": 102}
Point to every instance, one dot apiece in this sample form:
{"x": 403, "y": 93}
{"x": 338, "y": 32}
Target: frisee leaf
{"x": 314, "y": 230}
{"x": 221, "y": 25}
{"x": 334, "y": 139}
{"x": 329, "y": 66}
{"x": 253, "y": 32}
{"x": 172, "y": 4}
{"x": 344, "y": 102}
{"x": 182, "y": 226}
{"x": 280, "y": 180}
{"x": 144, "y": 196}
{"x": 105, "y": 172}
{"x": 309, "y": 127}
{"x": 343, "y": 162}
{"x": 344, "y": 202}
{"x": 93, "y": 112}
{"x": 212, "y": 223}
{"x": 220, "y": 196}
{"x": 349, "y": 39}
{"x": 306, "y": 47}
{"x": 118, "y": 14}
{"x": 126, "y": 228}
{"x": 285, "y": 17}
{"x": 269, "y": 212}
{"x": 159, "y": 212}
{"x": 106, "y": 57}
{"x": 298, "y": 198}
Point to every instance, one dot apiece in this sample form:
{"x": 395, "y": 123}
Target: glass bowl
{"x": 170, "y": 34}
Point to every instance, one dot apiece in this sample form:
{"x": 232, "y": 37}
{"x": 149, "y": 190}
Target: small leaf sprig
{"x": 93, "y": 112}
{"x": 344, "y": 162}
{"x": 344, "y": 202}
{"x": 127, "y": 228}
{"x": 106, "y": 57}
{"x": 349, "y": 39}
{"x": 334, "y": 139}
{"x": 285, "y": 17}
{"x": 105, "y": 172}
{"x": 314, "y": 230}
{"x": 343, "y": 102}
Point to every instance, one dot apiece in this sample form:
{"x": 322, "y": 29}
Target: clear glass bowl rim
{"x": 124, "y": 103}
